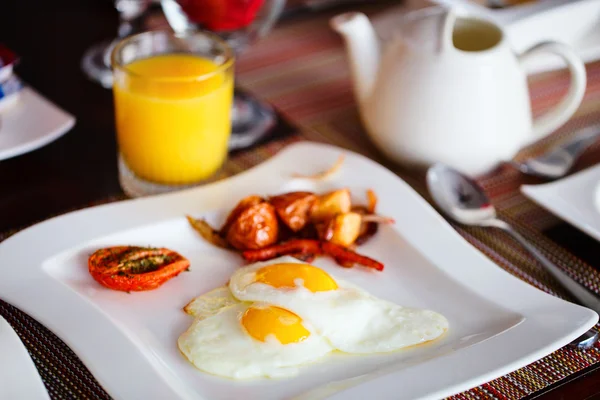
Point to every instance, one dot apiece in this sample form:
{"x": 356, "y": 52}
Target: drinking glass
{"x": 96, "y": 60}
{"x": 240, "y": 23}
{"x": 173, "y": 96}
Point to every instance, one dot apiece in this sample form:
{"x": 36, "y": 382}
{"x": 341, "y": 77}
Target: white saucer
{"x": 30, "y": 123}
{"x": 19, "y": 378}
{"x": 575, "y": 199}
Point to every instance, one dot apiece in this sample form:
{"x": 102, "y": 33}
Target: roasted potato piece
{"x": 254, "y": 228}
{"x": 294, "y": 208}
{"x": 245, "y": 203}
{"x": 329, "y": 205}
{"x": 343, "y": 229}
{"x": 367, "y": 231}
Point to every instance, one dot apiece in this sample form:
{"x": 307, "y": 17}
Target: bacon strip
{"x": 345, "y": 257}
{"x": 291, "y": 247}
{"x": 304, "y": 257}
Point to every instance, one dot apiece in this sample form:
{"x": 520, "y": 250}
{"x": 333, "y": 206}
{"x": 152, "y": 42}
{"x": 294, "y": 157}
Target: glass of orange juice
{"x": 173, "y": 95}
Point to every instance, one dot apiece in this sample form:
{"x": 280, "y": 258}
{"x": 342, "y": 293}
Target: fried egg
{"x": 349, "y": 318}
{"x": 243, "y": 341}
{"x": 275, "y": 316}
{"x": 211, "y": 303}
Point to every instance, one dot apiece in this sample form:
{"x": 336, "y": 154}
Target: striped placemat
{"x": 301, "y": 69}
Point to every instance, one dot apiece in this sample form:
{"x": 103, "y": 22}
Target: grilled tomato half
{"x": 131, "y": 268}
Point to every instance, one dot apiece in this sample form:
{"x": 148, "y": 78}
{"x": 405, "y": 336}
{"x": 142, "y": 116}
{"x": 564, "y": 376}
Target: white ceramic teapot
{"x": 448, "y": 88}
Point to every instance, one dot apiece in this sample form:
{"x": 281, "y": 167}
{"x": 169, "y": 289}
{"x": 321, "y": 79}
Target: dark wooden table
{"x": 81, "y": 167}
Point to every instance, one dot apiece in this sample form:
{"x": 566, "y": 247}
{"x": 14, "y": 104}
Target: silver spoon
{"x": 558, "y": 161}
{"x": 463, "y": 200}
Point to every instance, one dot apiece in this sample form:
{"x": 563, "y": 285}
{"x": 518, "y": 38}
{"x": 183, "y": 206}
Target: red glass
{"x": 221, "y": 15}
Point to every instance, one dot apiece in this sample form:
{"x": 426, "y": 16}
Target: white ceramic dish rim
{"x": 17, "y": 370}
{"x": 41, "y": 139}
{"x": 62, "y": 310}
{"x": 578, "y": 201}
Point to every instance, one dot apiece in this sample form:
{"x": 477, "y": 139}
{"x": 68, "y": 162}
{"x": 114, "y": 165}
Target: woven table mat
{"x": 301, "y": 69}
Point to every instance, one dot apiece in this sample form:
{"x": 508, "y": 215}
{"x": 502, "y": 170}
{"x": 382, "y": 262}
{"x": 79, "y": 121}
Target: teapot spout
{"x": 362, "y": 46}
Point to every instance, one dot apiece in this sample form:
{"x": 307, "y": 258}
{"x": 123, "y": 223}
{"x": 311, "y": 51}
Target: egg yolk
{"x": 289, "y": 275}
{"x": 286, "y": 326}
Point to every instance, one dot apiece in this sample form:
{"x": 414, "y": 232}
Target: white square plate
{"x": 128, "y": 341}
{"x": 575, "y": 199}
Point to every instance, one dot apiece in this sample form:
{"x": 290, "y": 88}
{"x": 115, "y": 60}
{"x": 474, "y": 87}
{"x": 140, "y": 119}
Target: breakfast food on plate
{"x": 254, "y": 227}
{"x": 294, "y": 208}
{"x": 301, "y": 224}
{"x": 231, "y": 343}
{"x": 132, "y": 268}
{"x": 275, "y": 316}
{"x": 344, "y": 257}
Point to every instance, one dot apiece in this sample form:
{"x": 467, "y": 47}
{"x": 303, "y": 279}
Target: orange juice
{"x": 173, "y": 117}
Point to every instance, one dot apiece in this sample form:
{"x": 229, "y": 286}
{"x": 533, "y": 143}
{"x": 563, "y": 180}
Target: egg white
{"x": 219, "y": 345}
{"x": 211, "y": 303}
{"x": 352, "y": 320}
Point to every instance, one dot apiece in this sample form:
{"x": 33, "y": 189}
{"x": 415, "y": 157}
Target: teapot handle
{"x": 557, "y": 116}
